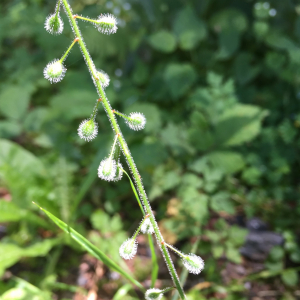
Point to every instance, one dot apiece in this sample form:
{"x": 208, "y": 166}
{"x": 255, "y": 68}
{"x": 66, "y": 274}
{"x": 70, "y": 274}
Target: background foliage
{"x": 219, "y": 84}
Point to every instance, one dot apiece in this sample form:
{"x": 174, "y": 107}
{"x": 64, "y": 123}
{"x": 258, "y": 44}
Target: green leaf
{"x": 11, "y": 253}
{"x": 74, "y": 104}
{"x": 9, "y": 129}
{"x": 12, "y": 213}
{"x": 290, "y": 277}
{"x": 163, "y": 41}
{"x": 25, "y": 291}
{"x": 189, "y": 28}
{"x": 229, "y": 19}
{"x": 233, "y": 254}
{"x": 221, "y": 202}
{"x": 90, "y": 248}
{"x": 238, "y": 125}
{"x": 228, "y": 161}
{"x": 237, "y": 235}
{"x": 14, "y": 101}
{"x": 122, "y": 291}
{"x": 276, "y": 253}
{"x": 179, "y": 78}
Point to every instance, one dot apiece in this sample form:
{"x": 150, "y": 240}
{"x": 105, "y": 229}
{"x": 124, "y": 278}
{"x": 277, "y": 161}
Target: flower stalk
{"x": 125, "y": 149}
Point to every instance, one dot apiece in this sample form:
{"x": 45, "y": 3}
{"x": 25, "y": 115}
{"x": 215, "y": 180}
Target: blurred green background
{"x": 219, "y": 84}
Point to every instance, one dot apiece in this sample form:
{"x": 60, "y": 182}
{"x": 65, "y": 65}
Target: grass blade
{"x": 90, "y": 248}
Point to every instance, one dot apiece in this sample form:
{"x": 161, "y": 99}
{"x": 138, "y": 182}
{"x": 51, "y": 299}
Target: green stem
{"x": 67, "y": 52}
{"x": 139, "y": 229}
{"x": 113, "y": 148}
{"x": 86, "y": 19}
{"x": 175, "y": 250}
{"x": 168, "y": 289}
{"x": 57, "y": 8}
{"x": 125, "y": 150}
{"x": 122, "y": 115}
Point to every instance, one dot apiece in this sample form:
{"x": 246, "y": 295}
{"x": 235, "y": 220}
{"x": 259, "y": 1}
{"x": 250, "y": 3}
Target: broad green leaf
{"x": 228, "y": 161}
{"x": 12, "y": 213}
{"x": 189, "y": 28}
{"x": 9, "y": 129}
{"x": 163, "y": 41}
{"x": 11, "y": 253}
{"x": 233, "y": 254}
{"x": 229, "y": 19}
{"x": 221, "y": 202}
{"x": 25, "y": 291}
{"x": 90, "y": 248}
{"x": 237, "y": 235}
{"x": 74, "y": 103}
{"x": 17, "y": 158}
{"x": 14, "y": 101}
{"x": 238, "y": 125}
{"x": 290, "y": 277}
{"x": 179, "y": 78}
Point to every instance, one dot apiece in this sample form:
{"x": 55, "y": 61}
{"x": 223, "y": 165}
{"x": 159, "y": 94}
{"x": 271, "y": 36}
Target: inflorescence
{"x": 110, "y": 168}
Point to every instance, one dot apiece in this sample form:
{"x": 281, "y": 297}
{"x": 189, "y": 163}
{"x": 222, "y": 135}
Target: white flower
{"x": 193, "y": 263}
{"x": 103, "y": 78}
{"x": 55, "y": 71}
{"x": 54, "y": 24}
{"x": 153, "y": 294}
{"x": 147, "y": 226}
{"x": 88, "y": 129}
{"x": 137, "y": 121}
{"x": 107, "y": 24}
{"x": 128, "y": 249}
{"x": 107, "y": 169}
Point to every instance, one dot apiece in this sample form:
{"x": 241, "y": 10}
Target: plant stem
{"x": 122, "y": 115}
{"x": 86, "y": 19}
{"x": 175, "y": 250}
{"x": 124, "y": 147}
{"x": 57, "y": 8}
{"x": 69, "y": 49}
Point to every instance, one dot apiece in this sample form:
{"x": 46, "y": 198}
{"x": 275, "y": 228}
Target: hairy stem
{"x": 125, "y": 149}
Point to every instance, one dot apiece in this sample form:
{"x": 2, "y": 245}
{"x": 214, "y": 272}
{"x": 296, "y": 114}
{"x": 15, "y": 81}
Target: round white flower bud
{"x": 54, "y": 24}
{"x": 153, "y": 294}
{"x": 193, "y": 263}
{"x": 107, "y": 24}
{"x": 128, "y": 249}
{"x": 137, "y": 121}
{"x": 55, "y": 71}
{"x": 147, "y": 227}
{"x": 88, "y": 130}
{"x": 103, "y": 78}
{"x": 107, "y": 169}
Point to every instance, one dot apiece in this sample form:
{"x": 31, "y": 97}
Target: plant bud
{"x": 103, "y": 78}
{"x": 153, "y": 294}
{"x": 107, "y": 24}
{"x": 119, "y": 172}
{"x": 193, "y": 263}
{"x": 54, "y": 24}
{"x": 107, "y": 169}
{"x": 137, "y": 121}
{"x": 128, "y": 249}
{"x": 147, "y": 227}
{"x": 55, "y": 71}
{"x": 88, "y": 129}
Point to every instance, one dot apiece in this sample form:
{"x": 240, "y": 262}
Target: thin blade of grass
{"x": 90, "y": 248}
{"x": 122, "y": 291}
